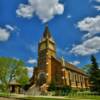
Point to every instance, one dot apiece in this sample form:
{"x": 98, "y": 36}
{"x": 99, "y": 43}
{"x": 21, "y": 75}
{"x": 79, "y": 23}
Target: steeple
{"x": 46, "y": 33}
{"x": 46, "y": 48}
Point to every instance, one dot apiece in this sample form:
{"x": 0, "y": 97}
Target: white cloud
{"x": 9, "y": 27}
{"x": 26, "y": 11}
{"x": 91, "y": 25}
{"x": 97, "y": 0}
{"x": 4, "y": 34}
{"x": 32, "y": 61}
{"x": 88, "y": 47}
{"x": 75, "y": 62}
{"x": 69, "y": 16}
{"x": 97, "y": 7}
{"x": 44, "y": 9}
{"x": 30, "y": 71}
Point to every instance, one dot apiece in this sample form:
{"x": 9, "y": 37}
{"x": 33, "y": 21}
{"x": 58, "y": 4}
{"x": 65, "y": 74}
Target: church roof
{"x": 71, "y": 66}
{"x": 13, "y": 82}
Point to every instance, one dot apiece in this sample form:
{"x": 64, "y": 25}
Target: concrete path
{"x": 1, "y": 98}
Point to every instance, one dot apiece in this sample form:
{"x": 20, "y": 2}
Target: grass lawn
{"x": 38, "y": 98}
{"x": 4, "y": 95}
{"x": 55, "y": 98}
{"x": 66, "y": 98}
{"x": 85, "y": 97}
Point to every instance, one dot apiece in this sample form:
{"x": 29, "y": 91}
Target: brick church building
{"x": 50, "y": 68}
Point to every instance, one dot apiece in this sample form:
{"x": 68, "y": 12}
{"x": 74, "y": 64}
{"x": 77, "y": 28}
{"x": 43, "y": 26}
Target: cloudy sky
{"x": 74, "y": 24}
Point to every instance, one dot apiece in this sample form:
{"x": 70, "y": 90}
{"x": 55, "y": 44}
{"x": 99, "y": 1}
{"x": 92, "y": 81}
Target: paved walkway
{"x": 1, "y": 98}
{"x": 22, "y": 96}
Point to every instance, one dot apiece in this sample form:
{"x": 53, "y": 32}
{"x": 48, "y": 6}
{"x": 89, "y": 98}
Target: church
{"x": 50, "y": 68}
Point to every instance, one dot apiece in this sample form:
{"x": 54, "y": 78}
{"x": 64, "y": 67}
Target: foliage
{"x": 52, "y": 86}
{"x": 66, "y": 90}
{"x": 11, "y": 68}
{"x": 93, "y": 71}
{"x": 87, "y": 68}
{"x": 94, "y": 76}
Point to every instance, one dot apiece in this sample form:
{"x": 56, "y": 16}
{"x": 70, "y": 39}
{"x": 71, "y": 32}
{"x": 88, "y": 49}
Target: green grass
{"x": 4, "y": 94}
{"x": 66, "y": 98}
{"x": 41, "y": 98}
{"x": 85, "y": 97}
{"x": 71, "y": 97}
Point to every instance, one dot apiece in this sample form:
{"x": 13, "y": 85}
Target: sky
{"x": 74, "y": 25}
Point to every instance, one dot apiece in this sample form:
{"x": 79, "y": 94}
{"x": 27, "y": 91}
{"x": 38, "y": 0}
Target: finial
{"x": 46, "y": 24}
{"x": 63, "y": 61}
{"x": 46, "y": 32}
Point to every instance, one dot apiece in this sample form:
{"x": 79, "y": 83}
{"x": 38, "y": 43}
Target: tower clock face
{"x": 51, "y": 46}
{"x": 43, "y": 46}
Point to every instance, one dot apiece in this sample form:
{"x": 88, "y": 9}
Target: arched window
{"x": 41, "y": 78}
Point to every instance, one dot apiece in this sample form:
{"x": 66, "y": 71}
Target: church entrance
{"x": 41, "y": 78}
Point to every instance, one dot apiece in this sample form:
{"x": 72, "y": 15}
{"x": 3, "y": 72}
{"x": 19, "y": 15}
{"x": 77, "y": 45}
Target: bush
{"x": 52, "y": 87}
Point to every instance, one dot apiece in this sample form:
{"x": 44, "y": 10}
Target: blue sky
{"x": 74, "y": 25}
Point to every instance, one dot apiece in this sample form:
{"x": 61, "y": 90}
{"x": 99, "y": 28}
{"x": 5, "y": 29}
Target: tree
{"x": 94, "y": 75}
{"x": 87, "y": 68}
{"x": 12, "y": 68}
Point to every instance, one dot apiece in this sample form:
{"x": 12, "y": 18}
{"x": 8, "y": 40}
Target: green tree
{"x": 11, "y": 68}
{"x": 94, "y": 75}
{"x": 87, "y": 68}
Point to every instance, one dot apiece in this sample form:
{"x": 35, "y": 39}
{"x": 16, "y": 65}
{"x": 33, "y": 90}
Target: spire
{"x": 47, "y": 33}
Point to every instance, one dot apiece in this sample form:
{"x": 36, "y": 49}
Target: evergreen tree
{"x": 94, "y": 75}
{"x": 87, "y": 68}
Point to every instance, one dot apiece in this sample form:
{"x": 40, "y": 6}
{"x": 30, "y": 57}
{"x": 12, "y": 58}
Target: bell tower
{"x": 46, "y": 48}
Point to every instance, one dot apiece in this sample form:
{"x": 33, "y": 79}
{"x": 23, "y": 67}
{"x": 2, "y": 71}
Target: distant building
{"x": 14, "y": 87}
{"x": 52, "y": 69}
